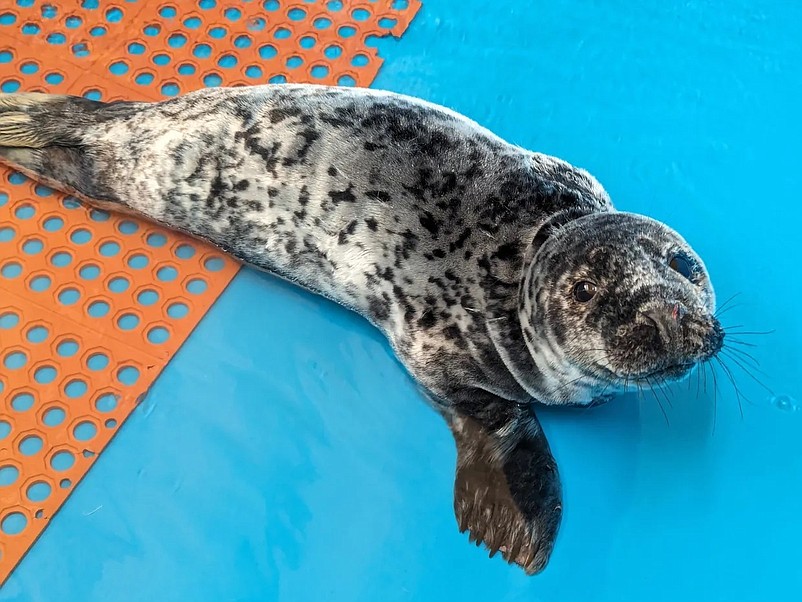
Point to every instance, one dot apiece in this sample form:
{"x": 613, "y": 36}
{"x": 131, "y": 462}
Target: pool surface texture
{"x": 285, "y": 455}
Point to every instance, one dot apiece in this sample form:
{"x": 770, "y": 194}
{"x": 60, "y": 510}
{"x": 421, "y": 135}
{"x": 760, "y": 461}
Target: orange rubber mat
{"x": 93, "y": 305}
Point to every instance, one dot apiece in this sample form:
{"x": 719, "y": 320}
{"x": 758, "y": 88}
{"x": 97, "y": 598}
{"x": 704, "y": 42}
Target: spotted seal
{"x": 501, "y": 277}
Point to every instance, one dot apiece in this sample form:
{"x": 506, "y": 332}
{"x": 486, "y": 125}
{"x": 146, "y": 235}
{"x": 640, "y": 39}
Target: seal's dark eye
{"x": 681, "y": 265}
{"x": 584, "y": 291}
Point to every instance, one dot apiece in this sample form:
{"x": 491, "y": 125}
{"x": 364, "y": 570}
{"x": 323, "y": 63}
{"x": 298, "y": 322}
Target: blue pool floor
{"x": 285, "y": 455}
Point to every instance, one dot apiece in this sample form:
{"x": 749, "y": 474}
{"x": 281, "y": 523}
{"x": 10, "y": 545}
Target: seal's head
{"x": 611, "y": 300}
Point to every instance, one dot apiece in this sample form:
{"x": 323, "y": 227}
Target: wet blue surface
{"x": 284, "y": 455}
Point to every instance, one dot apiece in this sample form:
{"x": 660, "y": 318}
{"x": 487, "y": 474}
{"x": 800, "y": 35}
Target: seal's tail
{"x": 53, "y": 138}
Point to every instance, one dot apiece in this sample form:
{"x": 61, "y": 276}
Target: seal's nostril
{"x": 665, "y": 322}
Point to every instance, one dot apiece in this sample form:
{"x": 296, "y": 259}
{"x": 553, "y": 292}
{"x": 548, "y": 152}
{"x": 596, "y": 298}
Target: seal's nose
{"x": 667, "y": 320}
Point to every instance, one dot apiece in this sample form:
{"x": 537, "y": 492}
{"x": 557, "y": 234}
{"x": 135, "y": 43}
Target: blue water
{"x": 284, "y": 455}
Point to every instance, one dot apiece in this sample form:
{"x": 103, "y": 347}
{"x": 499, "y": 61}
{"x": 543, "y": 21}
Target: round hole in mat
{"x": 7, "y": 234}
{"x": 29, "y": 68}
{"x": 360, "y": 14}
{"x": 98, "y": 31}
{"x": 186, "y": 69}
{"x": 161, "y": 59}
{"x": 13, "y": 523}
{"x": 297, "y": 14}
{"x": 167, "y": 12}
{"x": 12, "y": 269}
{"x": 25, "y": 211}
{"x": 212, "y": 79}
{"x": 70, "y": 203}
{"x": 218, "y": 33}
{"x": 22, "y": 402}
{"x": 147, "y": 297}
{"x": 335, "y": 6}
{"x": 114, "y": 15}
{"x": 5, "y": 429}
{"x": 49, "y": 11}
{"x": 256, "y": 24}
{"x": 54, "y": 417}
{"x": 232, "y": 14}
{"x": 128, "y": 227}
{"x": 53, "y": 224}
{"x": 202, "y": 51}
{"x": 307, "y": 42}
{"x": 119, "y": 284}
{"x": 207, "y": 4}
{"x": 227, "y": 61}
{"x": 15, "y": 360}
{"x": 67, "y": 348}
{"x": 81, "y": 50}
{"x": 99, "y": 215}
{"x": 40, "y": 189}
{"x": 158, "y": 335}
{"x": 267, "y": 51}
{"x": 128, "y": 375}
{"x": 119, "y": 68}
{"x": 65, "y": 483}
{"x": 40, "y": 283}
{"x": 197, "y": 286}
{"x": 177, "y": 40}
{"x": 30, "y": 29}
{"x": 62, "y": 461}
{"x": 192, "y": 23}
{"x": 109, "y": 249}
{"x": 346, "y": 80}
{"x": 33, "y": 246}
{"x": 128, "y": 321}
{"x": 76, "y": 388}
{"x": 294, "y": 62}
{"x": 177, "y": 310}
{"x": 214, "y": 264}
{"x": 6, "y": 56}
{"x": 97, "y": 361}
{"x": 8, "y": 320}
{"x": 320, "y": 71}
{"x": 98, "y": 309}
{"x": 322, "y": 23}
{"x": 400, "y": 4}
{"x": 38, "y": 491}
{"x": 69, "y": 296}
{"x": 185, "y": 251}
{"x": 242, "y": 41}
{"x": 10, "y": 86}
{"x": 144, "y": 79}
{"x": 387, "y": 23}
{"x": 138, "y": 261}
{"x": 278, "y": 79}
{"x": 253, "y": 71}
{"x": 170, "y": 89}
{"x": 346, "y": 31}
{"x": 360, "y": 60}
{"x": 136, "y": 48}
{"x": 17, "y": 178}
{"x": 8, "y": 475}
{"x": 31, "y": 445}
{"x": 84, "y": 431}
{"x": 61, "y": 259}
{"x": 106, "y": 402}
{"x": 282, "y": 33}
{"x": 89, "y": 271}
{"x": 37, "y": 334}
{"x": 152, "y": 30}
{"x": 167, "y": 273}
{"x": 110, "y": 423}
{"x": 81, "y": 236}
{"x": 45, "y": 375}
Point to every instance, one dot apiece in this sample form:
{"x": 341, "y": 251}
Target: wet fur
{"x": 459, "y": 246}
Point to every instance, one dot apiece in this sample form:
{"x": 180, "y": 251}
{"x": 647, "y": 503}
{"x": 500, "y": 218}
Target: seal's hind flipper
{"x": 29, "y": 120}
{"x": 507, "y": 491}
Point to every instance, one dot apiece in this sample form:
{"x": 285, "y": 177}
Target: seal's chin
{"x": 672, "y": 372}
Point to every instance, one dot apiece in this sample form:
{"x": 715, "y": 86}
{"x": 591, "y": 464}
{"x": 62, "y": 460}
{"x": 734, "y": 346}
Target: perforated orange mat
{"x": 93, "y": 305}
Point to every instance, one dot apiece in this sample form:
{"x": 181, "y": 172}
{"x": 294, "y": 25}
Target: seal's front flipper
{"x": 507, "y": 491}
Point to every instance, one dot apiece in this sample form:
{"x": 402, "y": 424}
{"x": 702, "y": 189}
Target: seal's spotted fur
{"x": 460, "y": 247}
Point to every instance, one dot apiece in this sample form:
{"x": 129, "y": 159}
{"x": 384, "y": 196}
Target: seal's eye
{"x": 681, "y": 265}
{"x": 584, "y": 291}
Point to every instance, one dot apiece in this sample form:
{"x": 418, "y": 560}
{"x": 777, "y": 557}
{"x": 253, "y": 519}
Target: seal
{"x": 502, "y": 278}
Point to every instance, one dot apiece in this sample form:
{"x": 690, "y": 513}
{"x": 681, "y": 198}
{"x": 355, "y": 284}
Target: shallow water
{"x": 284, "y": 454}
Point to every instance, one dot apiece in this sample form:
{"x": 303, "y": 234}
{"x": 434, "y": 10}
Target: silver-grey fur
{"x": 466, "y": 251}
